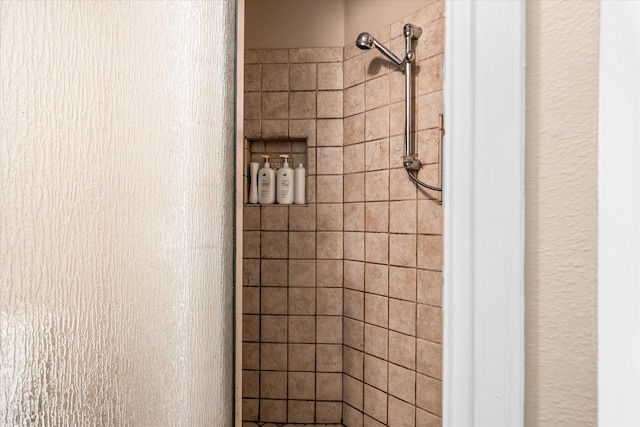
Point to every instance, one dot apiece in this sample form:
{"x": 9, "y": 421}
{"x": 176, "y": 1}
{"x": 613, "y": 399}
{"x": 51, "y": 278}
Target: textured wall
{"x": 116, "y": 220}
{"x": 561, "y": 213}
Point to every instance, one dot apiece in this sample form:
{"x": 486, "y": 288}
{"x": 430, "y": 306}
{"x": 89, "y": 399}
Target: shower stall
{"x": 341, "y": 311}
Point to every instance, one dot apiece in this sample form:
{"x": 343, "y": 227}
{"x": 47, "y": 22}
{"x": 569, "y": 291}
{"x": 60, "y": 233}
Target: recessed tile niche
{"x": 295, "y": 148}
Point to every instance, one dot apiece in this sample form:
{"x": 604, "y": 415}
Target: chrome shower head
{"x": 366, "y": 40}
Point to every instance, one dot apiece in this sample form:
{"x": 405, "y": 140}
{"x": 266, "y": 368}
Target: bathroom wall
{"x": 393, "y": 235}
{"x": 364, "y": 256}
{"x": 292, "y": 321}
{"x": 561, "y": 213}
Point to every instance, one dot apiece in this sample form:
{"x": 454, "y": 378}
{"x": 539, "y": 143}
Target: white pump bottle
{"x": 266, "y": 183}
{"x": 285, "y": 183}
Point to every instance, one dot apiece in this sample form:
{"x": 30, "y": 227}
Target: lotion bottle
{"x": 285, "y": 183}
{"x": 253, "y": 189}
{"x": 266, "y": 183}
{"x": 300, "y": 185}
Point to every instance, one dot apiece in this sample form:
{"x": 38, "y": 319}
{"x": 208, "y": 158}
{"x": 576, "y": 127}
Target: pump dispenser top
{"x": 266, "y": 182}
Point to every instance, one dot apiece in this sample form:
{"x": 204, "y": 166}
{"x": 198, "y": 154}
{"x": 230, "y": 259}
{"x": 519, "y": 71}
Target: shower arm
{"x": 410, "y": 160}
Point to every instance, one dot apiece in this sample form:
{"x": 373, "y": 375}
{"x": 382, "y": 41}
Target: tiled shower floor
{"x": 252, "y": 424}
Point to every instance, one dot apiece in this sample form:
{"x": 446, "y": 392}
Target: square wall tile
{"x": 353, "y": 363}
{"x": 274, "y": 300}
{"x": 429, "y": 217}
{"x": 302, "y": 301}
{"x": 251, "y": 218}
{"x": 425, "y": 419}
{"x": 329, "y": 189}
{"x": 377, "y": 216}
{"x": 275, "y": 105}
{"x": 250, "y": 384}
{"x": 329, "y": 273}
{"x": 430, "y": 252}
{"x": 354, "y": 158}
{"x": 329, "y": 358}
{"x": 354, "y": 129}
{"x": 302, "y": 218}
{"x": 250, "y": 327}
{"x": 274, "y": 218}
{"x": 305, "y": 129}
{"x": 429, "y": 358}
{"x": 329, "y": 412}
{"x": 274, "y": 329}
{"x": 329, "y": 301}
{"x": 377, "y": 154}
{"x": 354, "y": 101}
{"x": 329, "y": 329}
{"x": 330, "y": 76}
{"x": 354, "y": 187}
{"x": 273, "y": 357}
{"x": 329, "y": 386}
{"x": 302, "y": 329}
{"x": 429, "y": 108}
{"x": 430, "y": 287}
{"x": 330, "y": 104}
{"x": 354, "y": 304}
{"x": 251, "y": 272}
{"x": 330, "y": 245}
{"x": 273, "y": 385}
{"x": 402, "y": 349}
{"x": 353, "y": 392}
{"x": 402, "y": 250}
{"x": 375, "y": 403}
{"x": 250, "y": 300}
{"x": 330, "y": 217}
{"x": 351, "y": 417}
{"x": 402, "y": 283}
{"x": 376, "y": 310}
{"x": 275, "y": 77}
{"x": 302, "y": 105}
{"x": 377, "y": 123}
{"x": 274, "y": 244}
{"x": 400, "y": 185}
{"x": 252, "y": 77}
{"x": 377, "y": 92}
{"x": 302, "y": 272}
{"x": 302, "y": 76}
{"x": 429, "y": 145}
{"x": 401, "y": 414}
{"x": 376, "y": 341}
{"x": 402, "y": 316}
{"x": 377, "y": 247}
{"x": 274, "y": 128}
{"x": 250, "y": 356}
{"x": 302, "y": 385}
{"x": 250, "y": 409}
{"x": 301, "y": 411}
{"x": 402, "y": 383}
{"x": 302, "y": 245}
{"x": 354, "y": 216}
{"x": 252, "y": 105}
{"x": 429, "y": 325}
{"x": 330, "y": 132}
{"x": 273, "y": 272}
{"x": 251, "y": 244}
{"x": 329, "y": 161}
{"x": 429, "y": 394}
{"x": 353, "y": 333}
{"x": 302, "y": 357}
{"x": 376, "y": 372}
{"x": 354, "y": 246}
{"x": 354, "y": 70}
{"x": 274, "y": 411}
{"x": 353, "y": 274}
{"x": 376, "y": 278}
{"x": 377, "y": 186}
{"x": 402, "y": 216}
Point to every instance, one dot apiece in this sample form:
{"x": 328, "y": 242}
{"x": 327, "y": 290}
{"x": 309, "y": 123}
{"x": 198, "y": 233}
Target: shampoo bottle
{"x": 300, "y": 185}
{"x": 253, "y": 183}
{"x": 266, "y": 183}
{"x": 285, "y": 183}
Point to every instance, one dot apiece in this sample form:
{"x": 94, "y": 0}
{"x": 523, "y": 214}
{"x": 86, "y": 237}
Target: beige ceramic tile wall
{"x": 364, "y": 256}
{"x": 392, "y": 235}
{"x": 293, "y": 255}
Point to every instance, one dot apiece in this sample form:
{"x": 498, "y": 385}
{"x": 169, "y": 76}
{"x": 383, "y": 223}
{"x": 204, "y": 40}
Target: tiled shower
{"x": 342, "y": 318}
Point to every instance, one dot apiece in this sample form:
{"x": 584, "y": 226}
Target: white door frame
{"x": 484, "y": 214}
{"x": 619, "y": 215}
